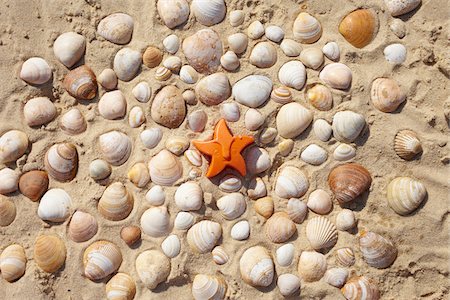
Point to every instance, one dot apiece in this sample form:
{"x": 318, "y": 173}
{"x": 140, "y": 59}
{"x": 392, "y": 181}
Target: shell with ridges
{"x": 13, "y": 262}
{"x": 82, "y": 227}
{"x": 73, "y": 122}
{"x": 112, "y": 105}
{"x": 209, "y": 287}
{"x": 230, "y": 183}
{"x": 61, "y": 162}
{"x": 9, "y": 181}
{"x": 151, "y": 137}
{"x": 115, "y": 146}
{"x": 162, "y": 74}
{"x": 386, "y": 94}
{"x": 336, "y": 75}
{"x": 279, "y": 227}
{"x": 107, "y": 79}
{"x": 171, "y": 246}
{"x": 142, "y": 92}
{"x": 153, "y": 267}
{"x": 252, "y": 90}
{"x": 314, "y": 155}
{"x": 255, "y": 30}
{"x": 281, "y": 95}
{"x": 210, "y": 12}
{"x": 407, "y": 145}
{"x": 348, "y": 181}
{"x": 331, "y": 51}
{"x": 297, "y": 210}
{"x": 322, "y": 130}
{"x": 256, "y": 267}
{"x": 285, "y": 255}
{"x": 290, "y": 48}
{"x": 203, "y": 51}
{"x": 361, "y": 288}
{"x": 240, "y": 231}
{"x": 173, "y": 12}
{"x": 347, "y": 125}
{"x": 321, "y": 233}
{"x": 39, "y": 111}
{"x": 188, "y": 74}
{"x": 288, "y": 284}
{"x": 377, "y": 251}
{"x": 127, "y": 63}
{"x": 220, "y": 257}
{"x": 336, "y": 276}
{"x": 405, "y": 195}
{"x": 213, "y": 89}
{"x": 292, "y": 119}
{"x": 120, "y": 287}
{"x": 81, "y": 83}
{"x": 194, "y": 157}
{"x": 101, "y": 259}
{"x": 264, "y": 207}
{"x": 359, "y": 27}
{"x": 99, "y": 169}
{"x": 203, "y": 236}
{"x": 171, "y": 43}
{"x": 49, "y": 253}
{"x": 35, "y": 70}
{"x": 293, "y": 74}
{"x": 312, "y": 266}
{"x": 184, "y": 220}
{"x": 232, "y": 206}
{"x": 344, "y": 152}
{"x": 165, "y": 168}
{"x": 152, "y": 57}
{"x": 345, "y": 257}
{"x": 307, "y": 29}
{"x": 69, "y": 47}
{"x": 173, "y": 63}
{"x": 291, "y": 183}
{"x": 320, "y": 97}
{"x": 13, "y": 144}
{"x": 155, "y": 221}
{"x": 7, "y": 211}
{"x": 263, "y": 55}
{"x": 54, "y": 205}
{"x": 33, "y": 184}
{"x": 236, "y": 17}
{"x": 116, "y": 28}
{"x": 320, "y": 202}
{"x": 116, "y": 202}
{"x": 189, "y": 196}
{"x": 139, "y": 175}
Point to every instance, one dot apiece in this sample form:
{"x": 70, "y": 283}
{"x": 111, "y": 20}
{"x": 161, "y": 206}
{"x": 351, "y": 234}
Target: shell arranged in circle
{"x": 101, "y": 259}
{"x": 256, "y": 267}
{"x": 405, "y": 195}
{"x": 49, "y": 253}
{"x": 348, "y": 181}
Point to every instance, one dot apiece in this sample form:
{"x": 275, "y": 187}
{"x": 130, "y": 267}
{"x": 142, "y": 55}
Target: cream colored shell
{"x": 256, "y": 267}
{"x": 204, "y": 235}
{"x": 153, "y": 268}
{"x": 13, "y": 262}
{"x": 101, "y": 259}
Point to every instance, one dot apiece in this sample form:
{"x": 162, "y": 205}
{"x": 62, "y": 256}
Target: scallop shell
{"x": 291, "y": 183}
{"x": 405, "y": 195}
{"x": 82, "y": 227}
{"x": 49, "y": 253}
{"x": 240, "y": 231}
{"x": 279, "y": 228}
{"x": 336, "y": 276}
{"x": 168, "y": 107}
{"x": 314, "y": 155}
{"x": 348, "y": 181}
{"x": 281, "y": 95}
{"x": 69, "y": 47}
{"x": 9, "y": 181}
{"x": 39, "y": 111}
{"x": 152, "y": 57}
{"x": 345, "y": 257}
{"x": 230, "y": 61}
{"x": 173, "y": 12}
{"x": 81, "y": 83}
{"x": 398, "y": 8}
{"x": 33, "y": 184}
{"x": 165, "y": 168}
{"x": 253, "y": 119}
{"x": 307, "y": 29}
{"x": 264, "y": 207}
{"x": 320, "y": 97}
{"x": 136, "y": 117}
{"x": 238, "y": 42}
{"x": 407, "y": 145}
{"x": 292, "y": 74}
{"x": 54, "y": 206}
{"x": 101, "y": 259}
{"x": 237, "y": 17}
{"x": 7, "y": 211}
{"x": 112, "y": 105}
{"x": 230, "y": 183}
{"x": 139, "y": 175}
{"x": 377, "y": 251}
{"x": 35, "y": 70}
{"x": 297, "y": 210}
{"x": 386, "y": 94}
{"x": 177, "y": 144}
{"x": 395, "y": 54}
{"x": 213, "y": 89}
{"x": 189, "y": 196}
{"x": 130, "y": 234}
{"x": 230, "y": 111}
{"x": 188, "y": 74}
{"x": 203, "y": 51}
{"x": 127, "y": 63}
{"x": 292, "y": 119}
{"x": 290, "y": 48}
{"x": 13, "y": 144}
{"x": 99, "y": 169}
{"x": 312, "y": 58}
{"x": 184, "y": 220}
{"x": 344, "y": 152}
{"x": 285, "y": 255}
{"x": 209, "y": 287}
{"x": 263, "y": 55}
{"x": 256, "y": 188}
{"x": 255, "y": 30}
{"x": 162, "y": 74}
{"x": 268, "y": 135}
{"x": 274, "y": 33}
{"x": 142, "y": 92}
{"x": 121, "y": 287}
{"x": 322, "y": 130}
{"x": 116, "y": 147}
{"x": 13, "y": 262}
{"x": 257, "y": 160}
{"x": 194, "y": 157}
{"x": 253, "y": 90}
{"x": 321, "y": 233}
{"x": 220, "y": 257}
{"x": 203, "y": 236}
{"x": 288, "y": 284}
{"x": 153, "y": 267}
{"x": 359, "y": 27}
{"x": 345, "y": 220}
{"x": 256, "y": 267}
{"x": 151, "y": 137}
{"x": 361, "y": 288}
{"x": 171, "y": 43}
{"x": 232, "y": 206}
{"x": 116, "y": 28}
{"x": 210, "y": 12}
{"x": 61, "y": 162}
{"x": 312, "y": 266}
{"x": 336, "y": 75}
{"x": 155, "y": 221}
{"x": 155, "y": 196}
{"x": 171, "y": 246}
{"x": 107, "y": 79}
{"x": 73, "y": 122}
{"x": 116, "y": 202}
{"x": 347, "y": 125}
{"x": 331, "y": 51}
{"x": 320, "y": 202}
{"x": 285, "y": 147}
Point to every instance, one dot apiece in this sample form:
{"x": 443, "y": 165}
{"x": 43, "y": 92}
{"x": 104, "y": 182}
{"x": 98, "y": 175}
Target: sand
{"x": 29, "y": 28}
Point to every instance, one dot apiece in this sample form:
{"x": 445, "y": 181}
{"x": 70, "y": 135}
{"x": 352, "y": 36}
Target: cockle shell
{"x": 322, "y": 130}
{"x": 345, "y": 257}
{"x": 348, "y": 181}
{"x": 407, "y": 145}
{"x": 267, "y": 135}
{"x": 321, "y": 233}
{"x": 285, "y": 255}
{"x": 69, "y": 47}
{"x": 116, "y": 28}
{"x": 151, "y": 137}
{"x": 230, "y": 111}
{"x": 130, "y": 234}
{"x": 256, "y": 188}
{"x": 136, "y": 117}
{"x": 263, "y": 55}
{"x": 312, "y": 58}
{"x": 405, "y": 195}
{"x": 188, "y": 74}
{"x": 257, "y": 160}
{"x": 152, "y": 57}
{"x": 82, "y": 227}
{"x": 9, "y": 181}
{"x": 312, "y": 266}
{"x": 377, "y": 251}
{"x": 99, "y": 169}
{"x": 168, "y": 107}
{"x": 203, "y": 51}
{"x": 155, "y": 196}
{"x": 7, "y": 211}
{"x": 336, "y": 276}
{"x": 13, "y": 262}
{"x": 264, "y": 207}
{"x": 255, "y": 30}
{"x": 297, "y": 210}
{"x": 292, "y": 119}
{"x": 395, "y": 54}
{"x": 209, "y": 287}
{"x": 177, "y": 144}
{"x": 61, "y": 161}
{"x": 171, "y": 43}
{"x": 237, "y": 17}
{"x": 281, "y": 95}
{"x": 347, "y": 125}
{"x": 285, "y": 147}
{"x": 13, "y": 144}
{"x": 238, "y": 42}
{"x": 291, "y": 183}
{"x": 142, "y": 92}
{"x": 39, "y": 111}
{"x": 292, "y": 74}
{"x": 127, "y": 63}
{"x": 153, "y": 267}
{"x": 101, "y": 259}
{"x": 331, "y": 51}
{"x": 33, "y": 184}
{"x": 107, "y": 79}
{"x": 184, "y": 220}
{"x": 253, "y": 119}
{"x": 386, "y": 95}
{"x": 35, "y": 70}
{"x": 165, "y": 168}
{"x": 163, "y": 74}
{"x": 194, "y": 157}
{"x": 112, "y": 105}
{"x": 203, "y": 236}
{"x": 345, "y": 220}
{"x": 189, "y": 196}
{"x": 220, "y": 257}
{"x": 73, "y": 122}
{"x": 344, "y": 152}
{"x": 116, "y": 202}
{"x": 288, "y": 284}
{"x": 397, "y": 8}
{"x": 230, "y": 183}
{"x": 320, "y": 202}
{"x": 171, "y": 246}
{"x": 173, "y": 12}
{"x": 155, "y": 221}
{"x": 307, "y": 29}
{"x": 359, "y": 27}
{"x": 54, "y": 205}
{"x": 213, "y": 89}
{"x": 121, "y": 287}
{"x": 210, "y": 12}
{"x": 256, "y": 267}
{"x": 279, "y": 228}
{"x": 336, "y": 75}
{"x": 230, "y": 61}
{"x": 314, "y": 155}
{"x": 252, "y": 90}
{"x": 274, "y": 33}
{"x": 139, "y": 175}
{"x": 320, "y": 97}
{"x": 361, "y": 288}
{"x": 49, "y": 252}
{"x": 240, "y": 231}
{"x": 232, "y": 206}
{"x": 81, "y": 83}
{"x": 290, "y": 48}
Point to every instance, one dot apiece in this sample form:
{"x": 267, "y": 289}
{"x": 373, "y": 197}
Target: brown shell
{"x": 279, "y": 227}
{"x": 130, "y": 234}
{"x": 152, "y": 57}
{"x": 49, "y": 253}
{"x": 33, "y": 184}
{"x": 62, "y": 164}
{"x": 361, "y": 287}
{"x": 359, "y": 27}
{"x": 7, "y": 211}
{"x": 81, "y": 83}
{"x": 348, "y": 181}
{"x": 168, "y": 107}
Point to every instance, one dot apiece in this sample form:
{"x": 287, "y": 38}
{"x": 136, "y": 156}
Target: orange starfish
{"x": 224, "y": 150}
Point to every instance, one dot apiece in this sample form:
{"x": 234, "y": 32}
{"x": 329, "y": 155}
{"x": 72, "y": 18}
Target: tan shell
{"x": 263, "y": 55}
{"x": 130, "y": 234}
{"x": 220, "y": 256}
{"x": 116, "y": 28}
{"x": 112, "y": 105}
{"x": 285, "y": 147}
{"x": 359, "y": 27}
{"x": 405, "y": 195}
{"x": 107, "y": 79}
{"x": 264, "y": 207}
{"x": 336, "y": 276}
{"x": 203, "y": 51}
{"x": 13, "y": 262}
{"x": 321, "y": 233}
{"x": 165, "y": 168}
{"x": 61, "y": 162}
{"x": 153, "y": 267}
{"x": 49, "y": 253}
{"x": 155, "y": 221}
{"x": 168, "y": 107}
{"x": 292, "y": 119}
{"x": 297, "y": 210}
{"x": 307, "y": 29}
{"x": 361, "y": 288}
{"x": 253, "y": 119}
{"x": 320, "y": 97}
{"x": 256, "y": 267}
{"x": 348, "y": 181}
{"x": 116, "y": 202}
{"x": 386, "y": 94}
{"x": 101, "y": 259}
{"x": 73, "y": 122}
{"x": 312, "y": 266}
{"x": 337, "y": 75}
{"x": 136, "y": 117}
{"x": 213, "y": 89}
{"x": 345, "y": 257}
{"x": 33, "y": 184}
{"x": 121, "y": 287}
{"x": 407, "y": 144}
{"x": 281, "y": 95}
{"x": 319, "y": 201}
{"x": 39, "y": 111}
{"x": 279, "y": 228}
{"x": 81, "y": 83}
{"x": 82, "y": 227}
{"x": 7, "y": 211}
{"x": 203, "y": 236}
{"x": 177, "y": 144}
{"x": 152, "y": 57}
{"x": 173, "y": 12}
{"x": 13, "y": 144}
{"x": 115, "y": 146}
{"x": 35, "y": 70}
{"x": 377, "y": 251}
{"x": 139, "y": 175}
{"x": 312, "y": 58}
{"x": 162, "y": 74}
{"x": 209, "y": 287}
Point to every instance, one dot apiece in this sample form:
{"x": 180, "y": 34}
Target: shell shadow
{"x": 407, "y": 16}
{"x": 362, "y": 138}
{"x": 176, "y": 281}
{"x": 399, "y": 108}
{"x": 358, "y": 204}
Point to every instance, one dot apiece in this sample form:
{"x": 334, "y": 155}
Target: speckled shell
{"x": 9, "y": 181}
{"x": 345, "y": 257}
{"x": 320, "y": 97}
{"x": 107, "y": 79}
{"x": 405, "y": 195}
{"x": 401, "y": 7}
{"x": 7, "y": 211}
{"x": 165, "y": 168}
{"x": 13, "y": 262}
{"x": 49, "y": 253}
{"x": 116, "y": 28}
{"x": 386, "y": 94}
{"x": 297, "y": 210}
{"x": 184, "y": 220}
{"x": 256, "y": 267}
{"x": 279, "y": 228}
{"x": 116, "y": 147}
{"x": 112, "y": 105}
{"x": 101, "y": 259}
{"x": 336, "y": 276}
{"x": 293, "y": 74}
{"x": 348, "y": 181}
{"x": 35, "y": 70}
{"x": 312, "y": 58}
{"x": 155, "y": 221}
{"x": 121, "y": 287}
{"x": 291, "y": 183}
{"x": 312, "y": 266}
{"x": 238, "y": 42}
{"x": 39, "y": 111}
{"x": 230, "y": 183}
{"x": 263, "y": 55}
{"x": 321, "y": 233}
{"x": 69, "y": 47}
{"x": 203, "y": 51}
{"x": 407, "y": 145}
{"x": 359, "y": 27}
{"x": 288, "y": 284}
{"x": 213, "y": 89}
{"x": 13, "y": 144}
{"x": 82, "y": 227}
{"x": 61, "y": 162}
{"x": 130, "y": 234}
{"x": 116, "y": 202}
{"x": 152, "y": 57}
{"x": 347, "y": 126}
{"x": 151, "y": 137}
{"x": 203, "y": 236}
{"x": 337, "y": 76}
{"x": 188, "y": 74}
{"x": 142, "y": 92}
{"x": 210, "y": 12}
{"x": 153, "y": 267}
{"x": 322, "y": 130}
{"x": 307, "y": 29}
{"x": 290, "y": 48}
{"x": 99, "y": 169}
{"x": 33, "y": 184}
{"x": 232, "y": 205}
{"x": 236, "y": 17}
{"x": 209, "y": 287}
{"x": 220, "y": 257}
{"x": 345, "y": 220}
{"x": 264, "y": 207}
{"x": 127, "y": 63}
{"x": 285, "y": 255}
{"x": 292, "y": 119}
{"x": 55, "y": 205}
{"x": 139, "y": 175}
{"x": 81, "y": 83}
{"x": 361, "y": 288}
{"x": 171, "y": 246}
{"x": 73, "y": 122}
{"x": 344, "y": 152}
{"x": 257, "y": 160}
{"x": 314, "y": 155}
{"x": 377, "y": 251}
{"x": 319, "y": 201}
{"x": 252, "y": 90}
{"x": 281, "y": 95}
{"x": 255, "y": 30}
{"x": 171, "y": 43}
{"x": 168, "y": 107}
{"x": 173, "y": 12}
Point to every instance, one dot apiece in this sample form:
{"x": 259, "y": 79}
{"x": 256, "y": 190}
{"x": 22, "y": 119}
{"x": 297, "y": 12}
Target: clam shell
{"x": 312, "y": 58}
{"x": 107, "y": 79}
{"x": 264, "y": 207}
{"x": 54, "y": 206}
{"x": 291, "y": 183}
{"x": 81, "y": 83}
{"x": 194, "y": 157}
{"x": 345, "y": 257}
{"x": 168, "y": 107}
{"x": 230, "y": 183}
{"x": 136, "y": 117}
{"x": 255, "y": 30}
{"x": 377, "y": 251}
{"x": 314, "y": 155}
{"x": 156, "y": 196}
{"x": 213, "y": 89}
{"x": 359, "y": 27}
{"x": 238, "y": 42}
{"x": 189, "y": 196}
{"x": 285, "y": 147}
{"x": 398, "y": 27}
{"x": 173, "y": 12}
{"x": 155, "y": 221}
{"x": 130, "y": 234}
{"x": 256, "y": 267}
{"x": 82, "y": 227}
{"x": 331, "y": 51}
{"x": 274, "y": 33}
{"x": 386, "y": 94}
{"x": 7, "y": 211}
{"x": 307, "y": 29}
{"x": 279, "y": 228}
{"x": 232, "y": 206}
{"x": 236, "y": 17}
{"x": 208, "y": 287}
{"x": 184, "y": 220}
{"x": 257, "y": 160}
{"x": 49, "y": 253}
{"x": 348, "y": 181}
{"x": 347, "y": 125}
{"x": 139, "y": 175}
{"x": 162, "y": 74}
{"x": 9, "y": 181}
{"x": 61, "y": 162}
{"x": 39, "y": 111}
{"x": 13, "y": 144}
{"x": 319, "y": 202}
{"x": 220, "y": 257}
{"x": 320, "y": 97}
{"x": 345, "y": 220}
{"x": 33, "y": 184}
{"x": 312, "y": 266}
{"x": 73, "y": 122}
{"x": 336, "y": 75}
{"x": 115, "y": 146}
{"x": 336, "y": 276}
{"x": 322, "y": 130}
{"x": 13, "y": 262}
{"x": 407, "y": 145}
{"x": 268, "y": 135}
{"x": 398, "y": 8}
{"x": 171, "y": 246}
{"x": 165, "y": 168}
{"x": 297, "y": 210}
{"x": 361, "y": 288}
{"x": 292, "y": 119}
{"x": 253, "y": 119}
{"x": 210, "y": 12}
{"x": 173, "y": 63}
{"x": 121, "y": 287}
{"x": 288, "y": 284}
{"x": 151, "y": 137}
{"x": 395, "y": 54}
{"x": 116, "y": 202}
{"x": 230, "y": 111}
{"x": 405, "y": 195}
{"x": 112, "y": 105}
{"x": 35, "y": 70}
{"x": 321, "y": 233}
{"x": 171, "y": 43}
{"x": 256, "y": 188}
{"x": 152, "y": 57}
{"x": 203, "y": 236}
{"x": 101, "y": 259}
{"x": 240, "y": 231}
{"x": 99, "y": 169}
{"x": 69, "y": 47}
{"x": 290, "y": 48}
{"x": 203, "y": 51}
{"x": 142, "y": 92}
{"x": 153, "y": 267}
{"x": 230, "y": 61}
{"x": 127, "y": 63}
{"x": 285, "y": 255}
{"x": 344, "y": 152}
{"x": 188, "y": 74}
{"x": 177, "y": 144}
{"x": 252, "y": 90}
{"x": 116, "y": 28}
{"x": 292, "y": 74}
{"x": 263, "y": 55}
{"x": 281, "y": 95}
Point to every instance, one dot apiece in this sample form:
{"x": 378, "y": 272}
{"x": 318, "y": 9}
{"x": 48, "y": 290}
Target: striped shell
{"x": 163, "y": 74}
{"x": 256, "y": 267}
{"x": 82, "y": 227}
{"x": 7, "y": 211}
{"x": 321, "y": 233}
{"x": 290, "y": 48}
{"x": 407, "y": 144}
{"x": 165, "y": 168}
{"x": 345, "y": 257}
{"x": 292, "y": 74}
{"x": 220, "y": 256}
{"x": 232, "y": 206}
{"x": 264, "y": 207}
{"x": 322, "y": 130}
{"x": 359, "y": 27}
{"x": 35, "y": 70}
{"x": 336, "y": 276}
{"x": 152, "y": 57}
{"x": 293, "y": 119}
{"x": 120, "y": 287}
{"x": 320, "y": 97}
{"x": 155, "y": 221}
{"x": 386, "y": 94}
{"x": 344, "y": 152}
{"x": 116, "y": 147}
{"x": 151, "y": 137}
{"x": 153, "y": 267}
{"x": 312, "y": 266}
{"x": 188, "y": 74}
{"x": 210, "y": 12}
{"x": 49, "y": 253}
{"x": 203, "y": 236}
{"x": 81, "y": 83}
{"x": 347, "y": 126}
{"x": 348, "y": 181}
{"x": 230, "y": 183}
{"x": 279, "y": 228}
{"x": 281, "y": 95}
{"x": 73, "y": 122}
{"x": 307, "y": 29}
{"x": 257, "y": 160}
{"x": 61, "y": 162}
{"x": 13, "y": 262}
{"x": 101, "y": 259}
{"x": 377, "y": 251}
{"x": 116, "y": 202}
{"x": 361, "y": 288}
{"x": 189, "y": 196}
{"x": 291, "y": 183}
{"x": 213, "y": 89}
{"x": 209, "y": 287}
{"x": 405, "y": 195}
{"x": 171, "y": 246}
{"x": 184, "y": 220}
{"x": 236, "y": 17}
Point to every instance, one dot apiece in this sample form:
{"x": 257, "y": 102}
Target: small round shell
{"x": 112, "y": 105}
{"x": 288, "y": 284}
{"x": 116, "y": 202}
{"x": 184, "y": 220}
{"x": 319, "y": 201}
{"x": 274, "y": 33}
{"x": 73, "y": 122}
{"x": 322, "y": 129}
{"x": 39, "y": 111}
{"x": 173, "y": 12}
{"x": 189, "y": 196}
{"x": 130, "y": 234}
{"x": 165, "y": 168}
{"x": 314, "y": 155}
{"x": 312, "y": 58}
{"x": 153, "y": 267}
{"x": 13, "y": 262}
{"x": 54, "y": 206}
{"x": 344, "y": 152}
{"x": 163, "y": 74}
{"x": 171, "y": 43}
{"x": 13, "y": 144}
{"x": 9, "y": 181}
{"x": 121, "y": 287}
{"x": 290, "y": 48}
{"x": 142, "y": 92}
{"x": 101, "y": 259}
{"x": 127, "y": 63}
{"x": 35, "y": 70}
{"x": 188, "y": 74}
{"x": 230, "y": 111}
{"x": 377, "y": 251}
{"x": 230, "y": 61}
{"x": 331, "y": 51}
{"x": 253, "y": 119}
{"x": 285, "y": 147}
{"x": 49, "y": 253}
{"x": 136, "y": 117}
{"x": 345, "y": 220}
{"x": 108, "y": 79}
{"x": 336, "y": 75}
{"x": 232, "y": 206}
{"x": 291, "y": 183}
{"x": 82, "y": 227}
{"x": 386, "y": 94}
{"x": 279, "y": 228}
{"x": 81, "y": 83}
{"x": 307, "y": 29}
{"x": 321, "y": 233}
{"x": 268, "y": 135}
{"x": 336, "y": 276}
{"x": 264, "y": 207}
{"x": 155, "y": 221}
{"x": 257, "y": 160}
{"x": 173, "y": 63}
{"x": 348, "y": 181}
{"x": 312, "y": 266}
{"x": 139, "y": 175}
{"x": 405, "y": 195}
{"x": 151, "y": 137}
{"x": 256, "y": 188}
{"x": 220, "y": 256}
{"x": 240, "y": 231}
{"x": 297, "y": 210}
{"x": 152, "y": 57}
{"x": 213, "y": 89}
{"x": 345, "y": 257}
{"x": 320, "y": 97}
{"x": 361, "y": 288}
{"x": 197, "y": 120}
{"x": 7, "y": 211}
{"x": 61, "y": 162}
{"x": 281, "y": 95}
{"x": 395, "y": 54}
{"x": 256, "y": 267}
{"x": 203, "y": 236}
{"x": 116, "y": 28}
{"x": 155, "y": 196}
{"x": 33, "y": 184}
{"x": 236, "y": 17}
{"x": 255, "y": 30}
{"x": 407, "y": 144}
{"x": 171, "y": 246}
{"x": 177, "y": 144}
{"x": 194, "y": 157}
{"x": 116, "y": 147}
{"x": 253, "y": 90}
{"x": 285, "y": 255}
{"x": 230, "y": 183}
{"x": 209, "y": 287}
{"x": 238, "y": 42}
{"x": 263, "y": 55}
{"x": 99, "y": 169}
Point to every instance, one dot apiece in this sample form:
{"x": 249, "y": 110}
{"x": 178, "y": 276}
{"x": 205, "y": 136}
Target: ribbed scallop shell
{"x": 81, "y": 83}
{"x": 99, "y": 169}
{"x": 279, "y": 228}
{"x": 188, "y": 74}
{"x": 232, "y": 205}
{"x": 312, "y": 58}
{"x": 127, "y": 63}
{"x": 173, "y": 12}
{"x": 407, "y": 144}
{"x": 39, "y": 111}
{"x": 292, "y": 74}
{"x": 361, "y": 288}
{"x": 153, "y": 267}
{"x": 151, "y": 137}
{"x": 9, "y": 181}
{"x": 112, "y": 105}
{"x": 220, "y": 256}
{"x": 377, "y": 251}
{"x": 405, "y": 195}
{"x": 116, "y": 147}
{"x": 184, "y": 220}
{"x": 322, "y": 130}
{"x": 171, "y": 43}
{"x": 69, "y": 47}
{"x": 107, "y": 79}
{"x": 49, "y": 253}
{"x": 209, "y": 287}
{"x": 321, "y": 233}
{"x": 204, "y": 235}
{"x": 121, "y": 287}
{"x": 293, "y": 119}
{"x": 290, "y": 48}
{"x": 307, "y": 29}
{"x": 155, "y": 221}
{"x": 238, "y": 42}
{"x": 171, "y": 246}
{"x": 230, "y": 183}
{"x": 142, "y": 92}
{"x": 13, "y": 262}
{"x": 152, "y": 57}
{"x": 13, "y": 144}
{"x": 345, "y": 220}
{"x": 256, "y": 267}
{"x": 130, "y": 234}
{"x": 189, "y": 196}
{"x": 348, "y": 181}
{"x": 297, "y": 210}
{"x": 116, "y": 202}
{"x": 33, "y": 184}
{"x": 116, "y": 28}
{"x": 320, "y": 97}
{"x": 61, "y": 162}
{"x": 210, "y": 12}
{"x": 359, "y": 27}
{"x": 35, "y": 70}
{"x": 55, "y": 206}
{"x": 253, "y": 90}
{"x": 165, "y": 168}
{"x": 337, "y": 75}
{"x": 139, "y": 175}
{"x": 73, "y": 122}
{"x": 203, "y": 51}
{"x": 237, "y": 17}
{"x": 347, "y": 126}
{"x": 386, "y": 94}
{"x": 255, "y": 30}
{"x": 344, "y": 152}
{"x": 213, "y": 89}
{"x": 312, "y": 266}
{"x": 82, "y": 227}
{"x": 291, "y": 183}
{"x": 285, "y": 255}
{"x": 101, "y": 259}
{"x": 345, "y": 257}
{"x": 263, "y": 55}
{"x": 336, "y": 276}
{"x": 281, "y": 95}
{"x": 264, "y": 207}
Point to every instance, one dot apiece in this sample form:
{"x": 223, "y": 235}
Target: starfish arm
{"x": 238, "y": 163}
{"x": 223, "y": 135}
{"x": 215, "y": 167}
{"x": 208, "y": 147}
{"x": 240, "y": 142}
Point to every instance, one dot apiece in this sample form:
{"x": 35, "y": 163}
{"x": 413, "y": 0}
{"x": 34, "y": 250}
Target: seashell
{"x": 116, "y": 28}
{"x": 39, "y": 111}
{"x": 108, "y": 79}
{"x": 54, "y": 206}
{"x": 165, "y": 168}
{"x": 319, "y": 202}
{"x": 257, "y": 160}
{"x": 81, "y": 83}
{"x": 263, "y": 55}
{"x": 397, "y": 8}
{"x": 347, "y": 125}
{"x": 279, "y": 228}
{"x": 61, "y": 162}
{"x": 344, "y": 152}
{"x": 253, "y": 119}
{"x": 312, "y": 58}
{"x": 395, "y": 54}
{"x": 230, "y": 183}
{"x": 13, "y": 144}
{"x": 345, "y": 257}
{"x": 314, "y": 155}
{"x": 398, "y": 27}
{"x": 162, "y": 74}
{"x": 285, "y": 147}
{"x": 255, "y": 30}
{"x": 361, "y": 288}
{"x": 188, "y": 74}
{"x": 291, "y": 183}
{"x": 173, "y": 63}
{"x": 230, "y": 112}
{"x": 139, "y": 175}
{"x": 112, "y": 105}
{"x": 194, "y": 173}
{"x": 171, "y": 246}
{"x": 336, "y": 277}
{"x": 321, "y": 233}
{"x": 49, "y": 253}
{"x": 238, "y": 42}
{"x": 377, "y": 251}
{"x": 203, "y": 50}
{"x": 13, "y": 262}
{"x": 156, "y": 221}
{"x": 101, "y": 259}
{"x": 136, "y": 117}
{"x": 240, "y": 231}
{"x": 348, "y": 181}
{"x": 220, "y": 257}
{"x": 274, "y": 33}
{"x": 252, "y": 90}
{"x": 208, "y": 287}
{"x": 152, "y": 57}
{"x": 168, "y": 107}
{"x": 322, "y": 130}
{"x": 177, "y": 144}
{"x": 336, "y": 75}
{"x": 127, "y": 63}
{"x": 307, "y": 29}
{"x": 331, "y": 51}
{"x": 268, "y": 135}
{"x": 312, "y": 266}
{"x": 69, "y": 47}
{"x": 290, "y": 48}
{"x": 405, "y": 195}
{"x": 99, "y": 169}
{"x": 173, "y": 12}
{"x": 73, "y": 122}
{"x": 194, "y": 157}
{"x": 232, "y": 205}
{"x": 345, "y": 220}
{"x": 121, "y": 287}
{"x": 153, "y": 267}
{"x": 184, "y": 220}
{"x": 292, "y": 119}
{"x": 33, "y": 184}
{"x": 256, "y": 267}
{"x": 82, "y": 227}
{"x": 281, "y": 95}
{"x": 292, "y": 74}
{"x": 171, "y": 43}
{"x": 285, "y": 255}
{"x": 264, "y": 207}
{"x": 297, "y": 210}
{"x": 130, "y": 234}
{"x": 256, "y": 188}
{"x": 230, "y": 61}
{"x": 35, "y": 70}
{"x": 7, "y": 211}
{"x": 203, "y": 236}
{"x": 237, "y": 17}
{"x": 155, "y": 196}
{"x": 151, "y": 137}
{"x": 386, "y": 95}
{"x": 189, "y": 196}
{"x": 359, "y": 27}
{"x": 209, "y": 13}
{"x": 288, "y": 284}
{"x": 142, "y": 92}
{"x": 9, "y": 181}
{"x": 116, "y": 202}
{"x": 320, "y": 97}
{"x": 213, "y": 89}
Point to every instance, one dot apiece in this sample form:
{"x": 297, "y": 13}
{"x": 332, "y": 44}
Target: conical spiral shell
{"x": 209, "y": 287}
{"x": 405, "y": 195}
{"x": 359, "y": 27}
{"x": 116, "y": 202}
{"x": 256, "y": 267}
{"x": 307, "y": 29}
{"x": 33, "y": 184}
{"x": 279, "y": 228}
{"x": 55, "y": 206}
{"x": 361, "y": 288}
{"x": 153, "y": 267}
{"x": 321, "y": 233}
{"x": 155, "y": 221}
{"x": 116, "y": 28}
{"x": 312, "y": 266}
{"x": 116, "y": 147}
{"x": 203, "y": 236}
{"x": 232, "y": 206}
{"x": 348, "y": 181}
{"x": 407, "y": 144}
{"x": 291, "y": 183}
{"x": 7, "y": 211}
{"x": 13, "y": 262}
{"x": 39, "y": 111}
{"x": 82, "y": 227}
{"x": 121, "y": 287}
{"x": 101, "y": 259}
{"x": 264, "y": 207}
{"x": 165, "y": 168}
{"x": 61, "y": 162}
{"x": 386, "y": 94}
{"x": 73, "y": 122}
{"x": 345, "y": 257}
{"x": 377, "y": 251}
{"x": 81, "y": 83}
{"x": 35, "y": 70}
{"x": 13, "y": 144}
{"x": 49, "y": 253}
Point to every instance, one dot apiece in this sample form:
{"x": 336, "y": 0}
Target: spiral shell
{"x": 237, "y": 17}
{"x": 35, "y": 70}
{"x": 171, "y": 44}
{"x": 348, "y": 181}
{"x": 127, "y": 63}
{"x": 13, "y": 144}
{"x": 33, "y": 184}
{"x": 209, "y": 287}
{"x": 155, "y": 221}
{"x": 264, "y": 207}
{"x": 297, "y": 210}
{"x": 9, "y": 181}
{"x": 359, "y": 27}
{"x": 336, "y": 276}
{"x": 321, "y": 233}
{"x": 292, "y": 119}
{"x": 344, "y": 152}
{"x": 153, "y": 267}
{"x": 168, "y": 108}
{"x": 322, "y": 130}
{"x": 255, "y": 30}
{"x": 257, "y": 160}
{"x": 230, "y": 183}
{"x": 220, "y": 257}
{"x": 285, "y": 255}
{"x": 345, "y": 220}
{"x": 203, "y": 51}
{"x": 139, "y": 175}
{"x": 210, "y": 12}
{"x": 116, "y": 202}
{"x": 307, "y": 29}
{"x": 120, "y": 287}
{"x": 203, "y": 236}
{"x": 81, "y": 83}
{"x": 173, "y": 12}
{"x": 151, "y": 137}
{"x": 291, "y": 183}
{"x": 101, "y": 259}
{"x": 7, "y": 211}
{"x": 107, "y": 79}
{"x": 361, "y": 288}
{"x": 290, "y": 48}
{"x": 347, "y": 126}
{"x": 13, "y": 262}
{"x": 39, "y": 111}
{"x": 61, "y": 162}
{"x": 112, "y": 105}
{"x": 184, "y": 220}
{"x": 312, "y": 58}
{"x": 142, "y": 92}
{"x": 73, "y": 122}
{"x": 320, "y": 97}
{"x": 152, "y": 57}
{"x": 230, "y": 61}
{"x": 230, "y": 111}
{"x": 288, "y": 284}
{"x": 256, "y": 267}
{"x": 54, "y": 206}
{"x": 331, "y": 51}
{"x": 263, "y": 55}
{"x": 405, "y": 195}
{"x": 312, "y": 266}
{"x": 238, "y": 42}
{"x": 293, "y": 74}
{"x": 165, "y": 168}
{"x": 314, "y": 155}
{"x": 188, "y": 74}
{"x": 320, "y": 202}
{"x": 274, "y": 33}
{"x": 256, "y": 188}
{"x": 240, "y": 231}
{"x": 49, "y": 253}
{"x": 130, "y": 234}
{"x": 336, "y": 75}
{"x": 252, "y": 90}
{"x": 171, "y": 246}
{"x": 345, "y": 257}
{"x": 386, "y": 94}
{"x": 116, "y": 28}
{"x": 281, "y": 95}
{"x": 115, "y": 146}
{"x": 407, "y": 144}
{"x": 398, "y": 8}
{"x": 82, "y": 227}
{"x": 232, "y": 206}
{"x": 279, "y": 228}
{"x": 99, "y": 169}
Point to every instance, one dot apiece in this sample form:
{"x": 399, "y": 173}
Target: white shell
{"x": 312, "y": 58}
{"x": 9, "y": 181}
{"x": 345, "y": 257}
{"x": 205, "y": 287}
{"x": 405, "y": 195}
{"x": 188, "y": 74}
{"x": 253, "y": 90}
{"x": 297, "y": 210}
{"x": 274, "y": 33}
{"x": 345, "y": 220}
{"x": 127, "y": 63}
{"x": 173, "y": 63}
{"x": 142, "y": 92}
{"x": 152, "y": 267}
{"x": 171, "y": 246}
{"x": 291, "y": 183}
{"x": 312, "y": 266}
{"x": 73, "y": 122}
{"x": 253, "y": 119}
{"x": 268, "y": 135}
{"x": 288, "y": 284}
{"x": 230, "y": 112}
{"x": 203, "y": 236}
{"x": 173, "y": 12}
{"x": 108, "y": 79}
{"x": 314, "y": 155}
{"x": 177, "y": 144}
{"x": 232, "y": 206}
{"x": 155, "y": 221}
{"x": 155, "y": 196}
{"x": 292, "y": 74}
{"x": 236, "y": 18}
{"x": 256, "y": 188}
{"x": 397, "y": 8}
{"x": 322, "y": 129}
{"x": 344, "y": 152}
{"x": 194, "y": 157}
{"x": 151, "y": 137}
{"x": 320, "y": 202}
{"x": 240, "y": 231}
{"x": 347, "y": 125}
{"x": 290, "y": 48}
{"x": 263, "y": 55}
{"x": 99, "y": 169}
{"x": 184, "y": 220}
{"x": 69, "y": 47}
{"x": 336, "y": 276}
{"x": 255, "y": 30}
{"x": 54, "y": 206}
{"x": 116, "y": 28}
{"x": 337, "y": 76}
{"x": 220, "y": 257}
{"x": 35, "y": 70}
{"x": 230, "y": 183}
{"x": 307, "y": 29}
{"x": 171, "y": 43}
{"x": 13, "y": 144}
{"x": 331, "y": 51}
{"x": 285, "y": 255}
{"x": 238, "y": 42}
{"x": 197, "y": 120}
{"x": 116, "y": 147}
{"x": 189, "y": 196}
{"x": 321, "y": 233}
{"x": 292, "y": 119}
{"x": 136, "y": 117}
{"x": 395, "y": 54}
{"x": 165, "y": 168}
{"x": 112, "y": 105}
{"x": 230, "y": 61}
{"x": 257, "y": 160}
{"x": 256, "y": 267}
{"x": 213, "y": 89}
{"x": 209, "y": 12}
